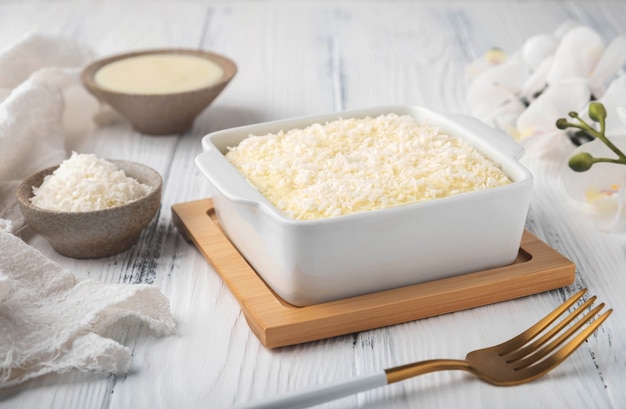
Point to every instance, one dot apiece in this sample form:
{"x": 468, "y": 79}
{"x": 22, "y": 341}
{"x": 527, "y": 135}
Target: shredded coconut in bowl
{"x": 85, "y": 183}
{"x": 352, "y": 165}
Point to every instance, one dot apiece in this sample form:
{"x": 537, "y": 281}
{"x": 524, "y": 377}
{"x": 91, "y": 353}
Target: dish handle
{"x": 499, "y": 140}
{"x": 236, "y": 189}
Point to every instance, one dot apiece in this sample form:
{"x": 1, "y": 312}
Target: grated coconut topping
{"x": 85, "y": 183}
{"x": 353, "y": 165}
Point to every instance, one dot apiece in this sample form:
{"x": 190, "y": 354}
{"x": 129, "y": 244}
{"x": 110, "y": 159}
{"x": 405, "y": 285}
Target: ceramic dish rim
{"x": 254, "y": 196}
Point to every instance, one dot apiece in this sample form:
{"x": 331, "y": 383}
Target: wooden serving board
{"x": 276, "y": 323}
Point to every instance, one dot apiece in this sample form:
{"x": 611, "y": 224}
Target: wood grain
{"x": 309, "y": 57}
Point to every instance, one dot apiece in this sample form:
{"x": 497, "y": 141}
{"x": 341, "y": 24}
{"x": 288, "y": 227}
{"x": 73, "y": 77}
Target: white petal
{"x": 487, "y": 101}
{"x": 621, "y": 113}
{"x": 484, "y": 96}
{"x": 609, "y": 65}
{"x": 511, "y": 74}
{"x": 490, "y": 59}
{"x": 577, "y": 54}
{"x": 506, "y": 121}
{"x": 600, "y": 191}
{"x": 615, "y": 94}
{"x": 554, "y": 146}
{"x": 537, "y": 80}
{"x": 613, "y": 99}
{"x": 556, "y": 102}
{"x": 497, "y": 88}
{"x": 537, "y": 48}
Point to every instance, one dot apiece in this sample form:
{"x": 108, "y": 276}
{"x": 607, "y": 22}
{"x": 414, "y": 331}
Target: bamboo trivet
{"x": 538, "y": 268}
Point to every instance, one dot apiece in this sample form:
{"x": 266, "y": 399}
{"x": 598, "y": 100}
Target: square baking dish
{"x": 308, "y": 262}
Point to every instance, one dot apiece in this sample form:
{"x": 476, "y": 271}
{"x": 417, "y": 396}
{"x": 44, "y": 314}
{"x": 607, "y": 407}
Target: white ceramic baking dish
{"x": 313, "y": 261}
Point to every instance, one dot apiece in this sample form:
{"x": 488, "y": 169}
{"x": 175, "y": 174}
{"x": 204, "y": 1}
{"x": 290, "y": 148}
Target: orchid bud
{"x": 581, "y": 162}
{"x": 597, "y": 112}
{"x": 562, "y": 123}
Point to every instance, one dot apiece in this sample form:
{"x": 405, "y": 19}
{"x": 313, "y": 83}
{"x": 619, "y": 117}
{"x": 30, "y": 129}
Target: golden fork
{"x": 522, "y": 359}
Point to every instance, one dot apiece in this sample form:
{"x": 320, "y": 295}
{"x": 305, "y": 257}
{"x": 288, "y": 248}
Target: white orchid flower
{"x": 614, "y": 100}
{"x": 494, "y": 93}
{"x": 558, "y": 99}
{"x": 577, "y": 55}
{"x": 536, "y": 126}
{"x": 579, "y": 70}
{"x": 502, "y": 86}
{"x": 601, "y": 190}
{"x": 611, "y": 62}
{"x": 550, "y": 75}
{"x": 595, "y": 175}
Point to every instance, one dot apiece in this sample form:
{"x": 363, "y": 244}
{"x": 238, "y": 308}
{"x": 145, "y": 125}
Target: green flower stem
{"x": 607, "y": 142}
{"x": 600, "y": 135}
{"x": 619, "y": 161}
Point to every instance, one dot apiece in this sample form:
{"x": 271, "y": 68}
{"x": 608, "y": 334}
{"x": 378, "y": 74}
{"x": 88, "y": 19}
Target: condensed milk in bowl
{"x": 159, "y": 91}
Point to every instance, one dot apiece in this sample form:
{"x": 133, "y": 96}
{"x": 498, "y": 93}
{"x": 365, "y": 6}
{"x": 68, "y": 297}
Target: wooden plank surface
{"x": 310, "y": 57}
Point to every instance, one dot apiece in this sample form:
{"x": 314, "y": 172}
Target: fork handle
{"x": 325, "y": 393}
{"x": 320, "y": 394}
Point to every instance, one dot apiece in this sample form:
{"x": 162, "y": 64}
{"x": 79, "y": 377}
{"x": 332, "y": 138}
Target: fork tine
{"x": 519, "y": 341}
{"x": 539, "y": 369}
{"x": 537, "y": 354}
{"x": 530, "y": 347}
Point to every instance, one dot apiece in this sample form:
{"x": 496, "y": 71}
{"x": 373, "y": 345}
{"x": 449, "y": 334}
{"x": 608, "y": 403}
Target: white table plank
{"x": 300, "y": 58}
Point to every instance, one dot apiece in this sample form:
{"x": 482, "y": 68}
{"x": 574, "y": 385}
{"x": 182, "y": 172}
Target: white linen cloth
{"x": 39, "y": 79}
{"x": 50, "y": 321}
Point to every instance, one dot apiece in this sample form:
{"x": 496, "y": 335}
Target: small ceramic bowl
{"x": 160, "y": 113}
{"x": 94, "y": 234}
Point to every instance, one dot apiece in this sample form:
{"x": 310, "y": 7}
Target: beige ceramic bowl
{"x": 95, "y": 234}
{"x": 160, "y": 114}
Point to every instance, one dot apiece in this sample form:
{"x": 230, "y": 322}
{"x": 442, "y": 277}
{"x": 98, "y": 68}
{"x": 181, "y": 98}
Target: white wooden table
{"x": 300, "y": 58}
